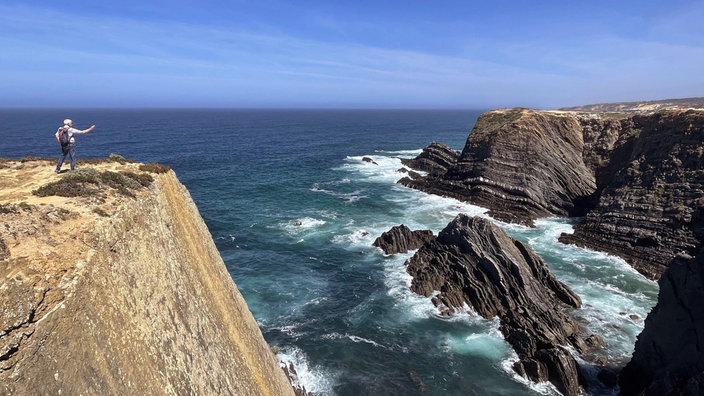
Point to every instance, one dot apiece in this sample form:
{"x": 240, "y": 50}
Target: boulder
{"x": 401, "y": 239}
{"x": 435, "y": 159}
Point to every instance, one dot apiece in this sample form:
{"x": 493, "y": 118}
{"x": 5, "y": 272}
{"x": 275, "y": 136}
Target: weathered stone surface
{"x": 473, "y": 262}
{"x": 114, "y": 295}
{"x": 669, "y": 353}
{"x": 520, "y": 164}
{"x": 401, "y": 239}
{"x": 650, "y": 191}
{"x": 434, "y": 159}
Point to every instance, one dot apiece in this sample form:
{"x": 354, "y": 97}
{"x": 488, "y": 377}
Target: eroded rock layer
{"x": 521, "y": 164}
{"x": 651, "y": 190}
{"x": 401, "y": 239}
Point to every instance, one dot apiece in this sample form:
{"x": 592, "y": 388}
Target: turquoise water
{"x": 294, "y": 210}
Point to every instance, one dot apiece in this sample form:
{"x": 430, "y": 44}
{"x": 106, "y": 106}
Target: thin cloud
{"x": 61, "y": 51}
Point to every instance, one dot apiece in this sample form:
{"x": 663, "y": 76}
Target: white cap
{"x": 67, "y": 121}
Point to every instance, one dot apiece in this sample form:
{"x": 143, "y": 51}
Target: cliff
{"x": 669, "y": 354}
{"x": 521, "y": 164}
{"x": 117, "y": 288}
{"x": 637, "y": 179}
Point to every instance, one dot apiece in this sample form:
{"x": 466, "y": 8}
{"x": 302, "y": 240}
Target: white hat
{"x": 68, "y": 121}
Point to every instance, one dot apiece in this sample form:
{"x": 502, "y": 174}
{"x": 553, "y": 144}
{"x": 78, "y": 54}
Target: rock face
{"x": 651, "y": 189}
{"x": 669, "y": 354}
{"x": 637, "y": 179}
{"x": 401, "y": 239}
{"x": 435, "y": 159}
{"x": 120, "y": 294}
{"x": 521, "y": 164}
{"x": 473, "y": 262}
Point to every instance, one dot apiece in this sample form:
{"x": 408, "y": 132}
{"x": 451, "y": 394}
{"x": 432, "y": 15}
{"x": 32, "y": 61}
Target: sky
{"x": 348, "y": 54}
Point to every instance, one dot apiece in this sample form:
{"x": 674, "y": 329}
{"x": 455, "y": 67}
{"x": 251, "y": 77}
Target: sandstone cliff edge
{"x": 119, "y": 289}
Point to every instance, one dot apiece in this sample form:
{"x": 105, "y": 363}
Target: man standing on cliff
{"x": 64, "y": 135}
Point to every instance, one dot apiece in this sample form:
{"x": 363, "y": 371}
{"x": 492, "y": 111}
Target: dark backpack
{"x": 64, "y": 138}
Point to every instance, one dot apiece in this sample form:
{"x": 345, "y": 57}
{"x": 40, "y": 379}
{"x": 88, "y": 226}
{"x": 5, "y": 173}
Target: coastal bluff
{"x": 117, "y": 287}
{"x": 635, "y": 179}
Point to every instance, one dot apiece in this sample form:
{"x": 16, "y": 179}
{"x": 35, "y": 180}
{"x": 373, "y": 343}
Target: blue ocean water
{"x": 294, "y": 209}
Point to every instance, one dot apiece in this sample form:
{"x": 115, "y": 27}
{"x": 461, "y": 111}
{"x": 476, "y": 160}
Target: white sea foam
{"x": 355, "y": 238}
{"x": 347, "y": 197}
{"x": 403, "y": 153}
{"x": 318, "y": 380}
{"x": 489, "y": 343}
{"x": 398, "y": 283}
{"x": 303, "y": 224}
{"x": 543, "y": 388}
{"x": 353, "y": 338}
{"x": 383, "y": 169}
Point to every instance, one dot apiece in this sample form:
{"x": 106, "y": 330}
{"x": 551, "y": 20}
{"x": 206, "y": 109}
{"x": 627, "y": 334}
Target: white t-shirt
{"x": 71, "y": 131}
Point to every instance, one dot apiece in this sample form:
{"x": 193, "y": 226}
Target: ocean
{"x": 293, "y": 208}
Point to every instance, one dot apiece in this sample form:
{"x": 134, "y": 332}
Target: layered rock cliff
{"x": 638, "y": 179}
{"x": 119, "y": 289}
{"x": 649, "y": 190}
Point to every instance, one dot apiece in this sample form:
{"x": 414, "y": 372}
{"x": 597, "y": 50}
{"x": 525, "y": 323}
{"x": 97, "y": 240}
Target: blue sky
{"x": 348, "y": 54}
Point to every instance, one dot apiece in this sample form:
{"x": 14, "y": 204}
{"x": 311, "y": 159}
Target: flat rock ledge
{"x": 472, "y": 262}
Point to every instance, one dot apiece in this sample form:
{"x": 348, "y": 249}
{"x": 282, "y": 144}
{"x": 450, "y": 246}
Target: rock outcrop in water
{"x": 638, "y": 179}
{"x": 472, "y": 262}
{"x": 401, "y": 239}
{"x": 119, "y": 290}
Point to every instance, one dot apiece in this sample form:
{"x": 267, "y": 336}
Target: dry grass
{"x": 90, "y": 182}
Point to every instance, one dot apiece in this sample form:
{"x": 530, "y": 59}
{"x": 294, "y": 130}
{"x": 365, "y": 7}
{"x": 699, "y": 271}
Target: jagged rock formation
{"x": 669, "y": 353}
{"x": 120, "y": 292}
{"x": 473, "y": 262}
{"x": 638, "y": 178}
{"x": 401, "y": 239}
{"x": 435, "y": 159}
